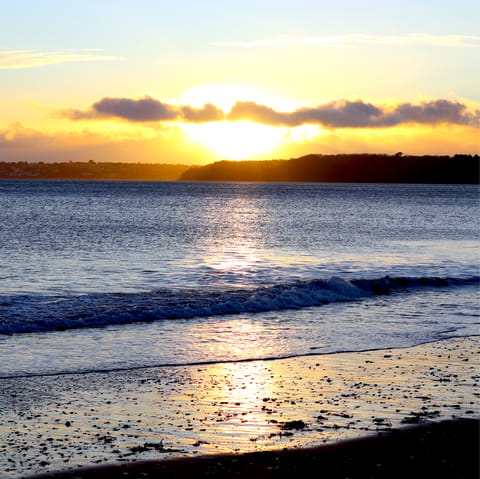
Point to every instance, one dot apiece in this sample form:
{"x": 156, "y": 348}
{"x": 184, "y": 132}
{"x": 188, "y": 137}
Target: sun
{"x": 237, "y": 140}
{"x": 234, "y": 140}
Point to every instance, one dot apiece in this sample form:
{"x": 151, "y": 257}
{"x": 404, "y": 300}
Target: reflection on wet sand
{"x": 58, "y": 422}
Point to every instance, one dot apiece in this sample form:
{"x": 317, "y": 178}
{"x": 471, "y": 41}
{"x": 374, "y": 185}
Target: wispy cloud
{"x": 411, "y": 39}
{"x": 336, "y": 114}
{"x": 14, "y": 59}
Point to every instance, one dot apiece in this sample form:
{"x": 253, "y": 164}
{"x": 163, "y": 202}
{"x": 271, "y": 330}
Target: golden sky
{"x": 196, "y": 82}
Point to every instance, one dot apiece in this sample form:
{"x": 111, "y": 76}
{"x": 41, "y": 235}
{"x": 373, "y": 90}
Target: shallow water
{"x": 227, "y": 271}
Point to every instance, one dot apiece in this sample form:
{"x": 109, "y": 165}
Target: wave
{"x": 33, "y": 314}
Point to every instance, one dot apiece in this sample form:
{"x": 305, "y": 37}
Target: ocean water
{"x": 111, "y": 275}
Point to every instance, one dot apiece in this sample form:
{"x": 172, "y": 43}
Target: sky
{"x": 200, "y": 81}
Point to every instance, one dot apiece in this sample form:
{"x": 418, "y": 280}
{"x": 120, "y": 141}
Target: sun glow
{"x": 235, "y": 140}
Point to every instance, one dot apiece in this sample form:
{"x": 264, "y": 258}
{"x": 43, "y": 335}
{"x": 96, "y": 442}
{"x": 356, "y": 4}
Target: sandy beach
{"x": 65, "y": 422}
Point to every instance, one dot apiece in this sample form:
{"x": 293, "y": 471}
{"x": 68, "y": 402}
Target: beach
{"x": 70, "y": 421}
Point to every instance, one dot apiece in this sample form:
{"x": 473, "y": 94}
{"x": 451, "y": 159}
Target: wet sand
{"x": 447, "y": 449}
{"x": 55, "y": 423}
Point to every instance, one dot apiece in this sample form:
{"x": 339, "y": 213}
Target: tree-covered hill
{"x": 348, "y": 168}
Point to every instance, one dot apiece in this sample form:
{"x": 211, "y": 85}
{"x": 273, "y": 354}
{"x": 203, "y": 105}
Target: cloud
{"x": 15, "y": 59}
{"x": 141, "y": 110}
{"x": 209, "y": 112}
{"x": 411, "y": 39}
{"x": 249, "y": 110}
{"x": 434, "y": 112}
{"x": 336, "y": 114}
{"x": 359, "y": 114}
{"x": 144, "y": 110}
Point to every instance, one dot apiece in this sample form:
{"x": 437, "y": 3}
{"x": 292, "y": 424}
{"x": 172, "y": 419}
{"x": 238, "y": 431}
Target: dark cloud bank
{"x": 337, "y": 114}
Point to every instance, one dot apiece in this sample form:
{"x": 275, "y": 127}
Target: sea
{"x": 102, "y": 276}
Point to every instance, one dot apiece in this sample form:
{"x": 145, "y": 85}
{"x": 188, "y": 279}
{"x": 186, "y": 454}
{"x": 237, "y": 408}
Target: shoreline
{"x": 230, "y": 361}
{"x": 69, "y": 422}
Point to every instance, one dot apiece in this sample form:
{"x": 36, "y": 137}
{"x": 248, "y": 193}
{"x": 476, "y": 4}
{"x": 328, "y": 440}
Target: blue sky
{"x": 118, "y": 23}
{"x": 151, "y": 35}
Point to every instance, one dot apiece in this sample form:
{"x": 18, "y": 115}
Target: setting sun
{"x": 235, "y": 140}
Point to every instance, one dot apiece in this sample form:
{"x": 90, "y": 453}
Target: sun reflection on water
{"x": 235, "y": 250}
{"x": 241, "y": 338}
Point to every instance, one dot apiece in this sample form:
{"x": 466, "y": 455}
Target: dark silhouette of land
{"x": 91, "y": 171}
{"x": 345, "y": 168}
{"x": 348, "y": 168}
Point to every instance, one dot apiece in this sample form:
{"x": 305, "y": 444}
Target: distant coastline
{"x": 341, "y": 168}
{"x": 91, "y": 171}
